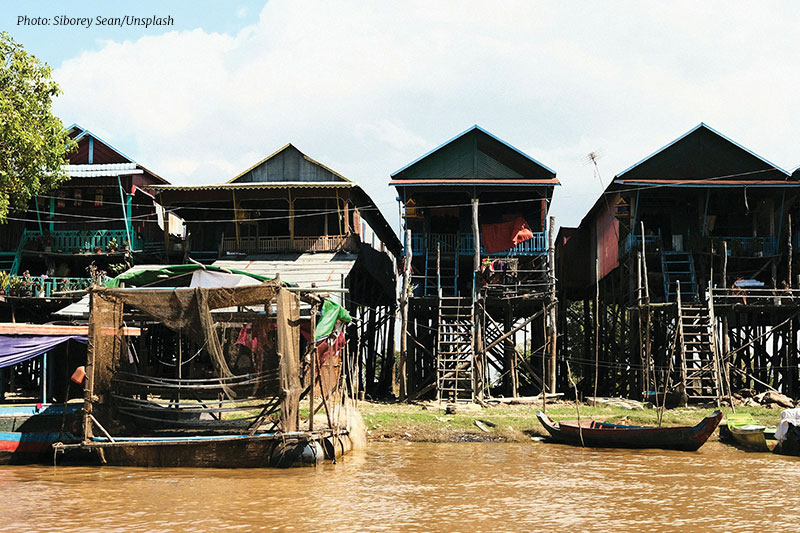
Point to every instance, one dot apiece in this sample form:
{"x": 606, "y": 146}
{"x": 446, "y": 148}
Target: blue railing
{"x": 79, "y": 241}
{"x": 633, "y": 242}
{"x": 464, "y": 244}
{"x": 42, "y": 286}
{"x": 748, "y": 246}
{"x": 737, "y": 246}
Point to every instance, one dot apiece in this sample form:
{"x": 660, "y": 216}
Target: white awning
{"x": 100, "y": 171}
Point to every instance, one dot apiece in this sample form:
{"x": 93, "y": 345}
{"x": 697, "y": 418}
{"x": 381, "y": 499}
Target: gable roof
{"x": 288, "y": 164}
{"x": 475, "y": 156}
{"x": 93, "y": 153}
{"x": 702, "y": 154}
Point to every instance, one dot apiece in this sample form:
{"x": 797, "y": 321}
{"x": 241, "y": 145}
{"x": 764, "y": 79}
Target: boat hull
{"x": 234, "y": 451}
{"x": 27, "y": 432}
{"x": 754, "y": 439}
{"x": 601, "y": 435}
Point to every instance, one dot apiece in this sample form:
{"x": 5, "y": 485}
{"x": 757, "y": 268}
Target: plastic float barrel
{"x": 336, "y": 446}
{"x": 288, "y": 454}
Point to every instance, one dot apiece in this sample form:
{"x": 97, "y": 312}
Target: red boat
{"x": 602, "y": 435}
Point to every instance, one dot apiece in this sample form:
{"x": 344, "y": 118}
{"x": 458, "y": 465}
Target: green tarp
{"x": 331, "y": 312}
{"x": 146, "y": 277}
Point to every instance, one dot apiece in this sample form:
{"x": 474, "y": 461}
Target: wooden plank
{"x": 10, "y": 328}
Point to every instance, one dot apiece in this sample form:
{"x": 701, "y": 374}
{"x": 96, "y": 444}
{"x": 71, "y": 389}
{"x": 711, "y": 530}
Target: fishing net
{"x": 207, "y": 358}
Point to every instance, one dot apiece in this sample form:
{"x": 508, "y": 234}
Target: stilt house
{"x": 99, "y": 216}
{"x": 291, "y": 216}
{"x": 97, "y": 223}
{"x": 678, "y": 265}
{"x": 477, "y": 275}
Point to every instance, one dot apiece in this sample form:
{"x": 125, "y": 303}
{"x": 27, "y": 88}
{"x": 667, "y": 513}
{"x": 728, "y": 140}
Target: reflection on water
{"x": 399, "y": 486}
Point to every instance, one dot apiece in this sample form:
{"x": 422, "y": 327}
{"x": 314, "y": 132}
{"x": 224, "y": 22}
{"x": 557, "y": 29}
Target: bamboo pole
{"x": 404, "y": 319}
{"x": 789, "y": 250}
{"x": 551, "y": 256}
{"x": 725, "y": 264}
{"x": 596, "y": 327}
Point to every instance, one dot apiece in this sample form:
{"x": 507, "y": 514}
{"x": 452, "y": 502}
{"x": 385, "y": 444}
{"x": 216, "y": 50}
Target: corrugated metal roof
{"x": 99, "y": 171}
{"x": 326, "y": 270}
{"x": 710, "y": 183}
{"x": 250, "y": 185}
{"x": 397, "y": 183}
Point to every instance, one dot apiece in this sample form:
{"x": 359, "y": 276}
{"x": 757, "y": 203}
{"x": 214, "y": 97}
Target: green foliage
{"x": 33, "y": 141}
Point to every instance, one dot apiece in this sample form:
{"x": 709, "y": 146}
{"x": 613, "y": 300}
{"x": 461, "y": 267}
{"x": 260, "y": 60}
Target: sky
{"x": 367, "y": 87}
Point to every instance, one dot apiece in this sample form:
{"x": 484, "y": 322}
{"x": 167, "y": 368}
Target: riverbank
{"x": 429, "y": 422}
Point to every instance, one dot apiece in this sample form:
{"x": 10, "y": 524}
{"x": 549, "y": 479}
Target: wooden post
{"x": 644, "y": 374}
{"x": 291, "y": 221}
{"x": 648, "y": 321}
{"x": 288, "y": 313}
{"x": 236, "y": 221}
{"x": 790, "y": 251}
{"x": 644, "y": 269}
{"x": 166, "y": 233}
{"x": 477, "y": 334}
{"x": 551, "y": 255}
{"x": 313, "y": 371}
{"x": 725, "y": 264}
{"x": 88, "y": 384}
{"x": 476, "y": 234}
{"x": 596, "y": 326}
{"x": 404, "y": 320}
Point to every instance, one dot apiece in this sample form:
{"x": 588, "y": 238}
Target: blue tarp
{"x": 18, "y": 348}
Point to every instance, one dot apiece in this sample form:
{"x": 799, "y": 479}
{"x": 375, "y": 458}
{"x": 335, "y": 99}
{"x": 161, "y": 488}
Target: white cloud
{"x": 367, "y": 87}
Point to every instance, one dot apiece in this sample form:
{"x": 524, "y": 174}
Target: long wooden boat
{"x": 748, "y": 434}
{"x": 28, "y": 431}
{"x": 276, "y": 449}
{"x": 603, "y": 435}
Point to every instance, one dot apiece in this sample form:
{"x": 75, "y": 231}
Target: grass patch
{"x": 515, "y": 423}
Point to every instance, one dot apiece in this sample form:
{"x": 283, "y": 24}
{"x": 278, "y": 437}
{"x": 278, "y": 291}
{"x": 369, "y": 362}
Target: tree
{"x": 33, "y": 141}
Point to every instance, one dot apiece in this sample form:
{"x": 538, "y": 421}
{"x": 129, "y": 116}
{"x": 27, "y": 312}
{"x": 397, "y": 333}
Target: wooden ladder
{"x": 454, "y": 350}
{"x": 699, "y": 352}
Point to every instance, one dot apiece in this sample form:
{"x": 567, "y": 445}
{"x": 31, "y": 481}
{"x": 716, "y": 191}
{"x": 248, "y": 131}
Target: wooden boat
{"x": 745, "y": 432}
{"x": 276, "y": 449}
{"x": 602, "y": 435}
{"x": 28, "y": 431}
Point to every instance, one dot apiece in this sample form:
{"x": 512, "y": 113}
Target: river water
{"x": 421, "y": 486}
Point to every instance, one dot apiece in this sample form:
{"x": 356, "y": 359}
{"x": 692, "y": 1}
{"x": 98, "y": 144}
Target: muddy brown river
{"x": 420, "y": 486}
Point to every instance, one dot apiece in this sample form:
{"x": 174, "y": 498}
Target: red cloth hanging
{"x": 505, "y": 235}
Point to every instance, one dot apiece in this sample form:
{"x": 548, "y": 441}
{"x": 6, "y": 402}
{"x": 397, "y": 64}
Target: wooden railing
{"x": 262, "y": 245}
{"x": 756, "y": 296}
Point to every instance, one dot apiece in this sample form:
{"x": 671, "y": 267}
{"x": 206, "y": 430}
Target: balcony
{"x": 737, "y": 246}
{"x": 78, "y": 241}
{"x": 464, "y": 244}
{"x": 42, "y": 286}
{"x": 265, "y": 245}
{"x": 747, "y": 246}
{"x": 633, "y": 242}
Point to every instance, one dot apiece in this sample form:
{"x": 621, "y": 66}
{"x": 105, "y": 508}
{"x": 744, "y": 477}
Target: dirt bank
{"x": 429, "y": 422}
